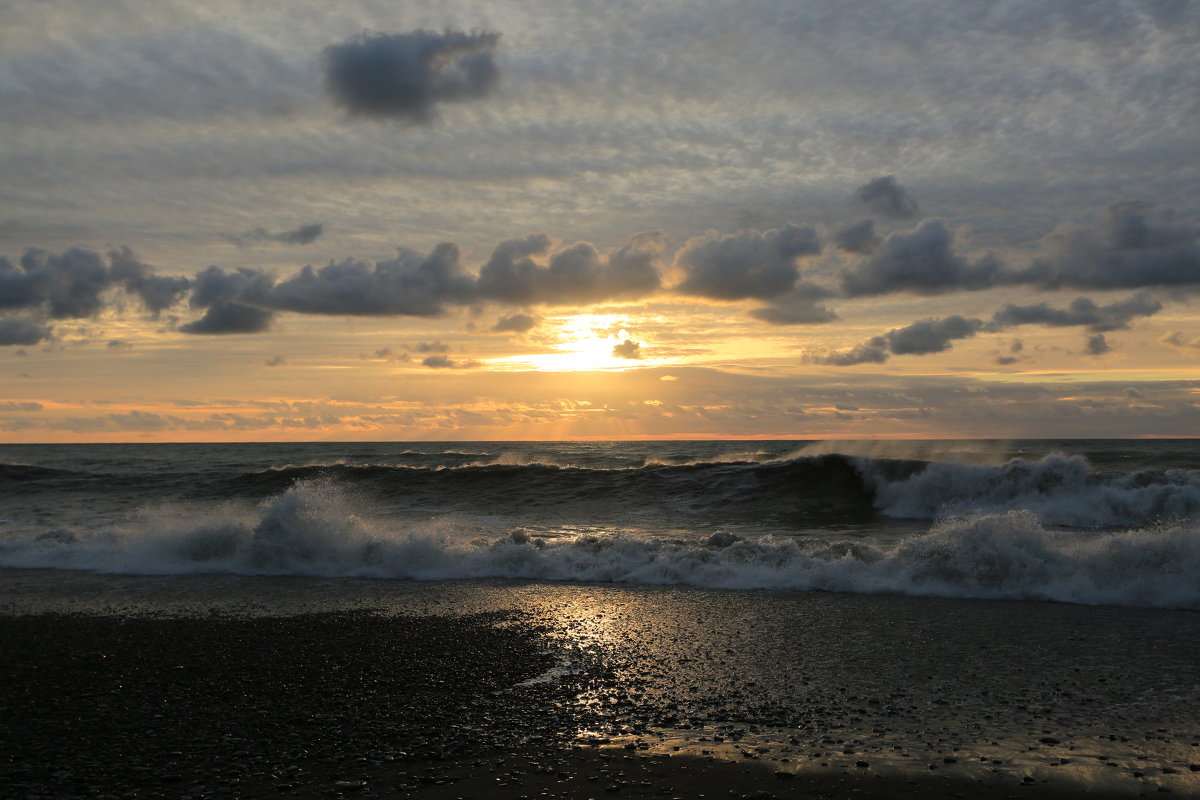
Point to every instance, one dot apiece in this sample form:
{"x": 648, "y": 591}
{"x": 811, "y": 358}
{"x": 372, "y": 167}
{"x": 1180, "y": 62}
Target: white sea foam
{"x": 312, "y": 529}
{"x": 1061, "y": 490}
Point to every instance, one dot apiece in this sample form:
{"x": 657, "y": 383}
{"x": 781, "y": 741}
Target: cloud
{"x": 23, "y": 331}
{"x": 576, "y": 274}
{"x": 305, "y": 234}
{"x": 746, "y": 264}
{"x": 388, "y": 354}
{"x": 627, "y": 349}
{"x": 405, "y": 76}
{"x": 442, "y": 362}
{"x": 516, "y": 323}
{"x": 1097, "y": 345}
{"x": 66, "y": 285}
{"x": 276, "y": 361}
{"x": 872, "y": 351}
{"x": 410, "y": 284}
{"x": 29, "y": 406}
{"x": 1136, "y": 247}
{"x": 921, "y": 261}
{"x": 857, "y": 238}
{"x": 1177, "y": 339}
{"x": 118, "y": 344}
{"x": 885, "y": 197}
{"x": 920, "y": 338}
{"x": 801, "y": 306}
{"x": 436, "y": 346}
{"x": 71, "y": 284}
{"x": 157, "y": 292}
{"x": 1081, "y": 311}
{"x": 931, "y": 335}
{"x": 226, "y": 298}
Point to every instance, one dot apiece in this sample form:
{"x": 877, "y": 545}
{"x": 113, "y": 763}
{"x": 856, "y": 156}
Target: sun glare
{"x": 582, "y": 342}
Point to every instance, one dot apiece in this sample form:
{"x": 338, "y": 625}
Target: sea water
{"x": 1095, "y": 522}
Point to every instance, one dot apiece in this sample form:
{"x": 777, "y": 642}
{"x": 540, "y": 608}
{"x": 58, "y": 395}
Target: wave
{"x": 803, "y": 491}
{"x": 800, "y": 491}
{"x": 1061, "y": 490}
{"x": 312, "y": 529}
{"x": 29, "y": 472}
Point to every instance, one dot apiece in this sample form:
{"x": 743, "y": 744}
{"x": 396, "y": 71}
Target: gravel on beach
{"x": 353, "y": 704}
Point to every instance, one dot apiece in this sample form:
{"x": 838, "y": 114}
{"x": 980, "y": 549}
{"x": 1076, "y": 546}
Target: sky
{"x": 550, "y": 219}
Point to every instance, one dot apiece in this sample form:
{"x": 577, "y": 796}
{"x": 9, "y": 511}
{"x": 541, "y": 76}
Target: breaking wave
{"x": 313, "y": 529}
{"x": 801, "y": 490}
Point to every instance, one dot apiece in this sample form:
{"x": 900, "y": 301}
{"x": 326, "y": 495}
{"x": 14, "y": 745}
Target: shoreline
{"x": 358, "y": 703}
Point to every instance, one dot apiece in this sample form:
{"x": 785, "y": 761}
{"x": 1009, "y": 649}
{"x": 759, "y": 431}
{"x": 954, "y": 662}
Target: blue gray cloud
{"x": 304, "y": 234}
{"x": 406, "y": 76}
{"x": 747, "y": 264}
{"x": 920, "y": 338}
{"x": 885, "y": 197}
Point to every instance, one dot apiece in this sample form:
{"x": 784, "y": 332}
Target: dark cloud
{"x": 406, "y": 75}
{"x": 71, "y": 284}
{"x": 801, "y": 306}
{"x": 516, "y": 323}
{"x": 746, "y": 264}
{"x": 118, "y": 344}
{"x": 885, "y": 197}
{"x": 23, "y": 331}
{"x": 1136, "y": 247}
{"x": 157, "y": 292}
{"x": 436, "y": 346}
{"x": 231, "y": 302}
{"x": 410, "y": 284}
{"x": 388, "y": 354}
{"x": 1177, "y": 339}
{"x": 65, "y": 285}
{"x": 872, "y": 351}
{"x": 442, "y": 362}
{"x": 276, "y": 361}
{"x": 305, "y": 234}
{"x": 627, "y": 349}
{"x": 415, "y": 284}
{"x": 921, "y": 261}
{"x": 1097, "y": 345}
{"x": 920, "y": 338}
{"x": 1081, "y": 311}
{"x": 858, "y": 238}
{"x": 576, "y": 274}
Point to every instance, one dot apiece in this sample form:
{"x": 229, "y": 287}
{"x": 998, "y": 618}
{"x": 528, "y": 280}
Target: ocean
{"x": 1020, "y": 612}
{"x": 1093, "y": 522}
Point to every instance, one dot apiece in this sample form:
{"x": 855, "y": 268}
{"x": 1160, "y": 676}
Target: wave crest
{"x": 312, "y": 529}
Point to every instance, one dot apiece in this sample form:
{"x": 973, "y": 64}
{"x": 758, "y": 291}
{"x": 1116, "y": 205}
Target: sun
{"x": 580, "y": 342}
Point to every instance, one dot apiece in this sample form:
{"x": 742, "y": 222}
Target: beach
{"x": 226, "y": 686}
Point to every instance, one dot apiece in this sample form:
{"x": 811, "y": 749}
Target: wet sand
{"x": 526, "y": 690}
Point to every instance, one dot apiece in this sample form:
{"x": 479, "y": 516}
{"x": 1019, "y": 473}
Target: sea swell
{"x": 800, "y": 491}
{"x": 314, "y": 529}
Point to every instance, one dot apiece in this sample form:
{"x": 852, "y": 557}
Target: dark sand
{"x": 209, "y": 686}
{"x": 359, "y": 704}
